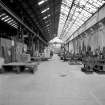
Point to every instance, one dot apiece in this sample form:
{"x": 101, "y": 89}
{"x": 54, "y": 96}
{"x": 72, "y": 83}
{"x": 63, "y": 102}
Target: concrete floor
{"x": 54, "y": 83}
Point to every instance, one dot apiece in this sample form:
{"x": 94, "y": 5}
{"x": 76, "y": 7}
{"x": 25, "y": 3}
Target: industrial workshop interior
{"x": 52, "y": 52}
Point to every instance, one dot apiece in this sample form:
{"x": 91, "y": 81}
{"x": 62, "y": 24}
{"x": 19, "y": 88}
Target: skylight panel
{"x": 65, "y": 10}
{"x": 96, "y": 4}
{"x": 92, "y": 1}
{"x": 83, "y": 2}
{"x": 64, "y": 5}
{"x": 103, "y": 1}
{"x": 79, "y": 13}
{"x": 79, "y": 20}
{"x": 86, "y": 14}
{"x": 63, "y": 14}
{"x": 4, "y": 17}
{"x": 45, "y": 10}
{"x": 10, "y": 21}
{"x": 42, "y": 2}
{"x": 90, "y": 8}
{"x": 62, "y": 18}
{"x": 3, "y": 14}
{"x": 45, "y": 17}
{"x": 73, "y": 10}
{"x": 99, "y": 3}
{"x": 7, "y": 19}
{"x": 76, "y": 14}
{"x": 74, "y": 17}
{"x": 46, "y": 22}
{"x": 78, "y": 10}
{"x": 77, "y": 23}
{"x": 62, "y": 21}
{"x": 67, "y": 2}
{"x": 82, "y": 18}
{"x": 48, "y": 15}
{"x": 48, "y": 25}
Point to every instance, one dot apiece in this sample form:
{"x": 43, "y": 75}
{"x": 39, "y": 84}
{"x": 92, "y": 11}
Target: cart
{"x": 19, "y": 67}
{"x": 89, "y": 63}
{"x": 100, "y": 66}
